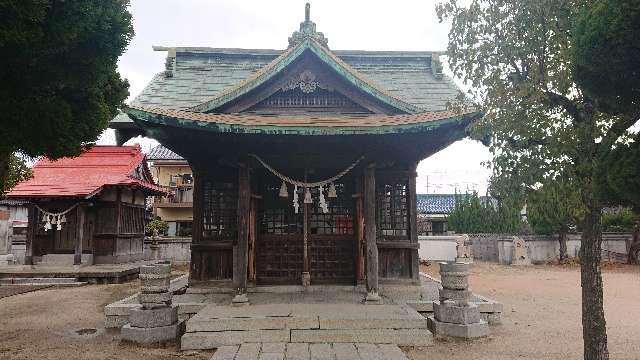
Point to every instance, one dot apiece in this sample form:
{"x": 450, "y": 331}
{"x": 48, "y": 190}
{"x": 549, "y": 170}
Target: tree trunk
{"x": 594, "y": 329}
{"x": 562, "y": 238}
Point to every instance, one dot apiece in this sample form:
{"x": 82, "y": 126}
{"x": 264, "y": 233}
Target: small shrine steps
{"x": 216, "y": 326}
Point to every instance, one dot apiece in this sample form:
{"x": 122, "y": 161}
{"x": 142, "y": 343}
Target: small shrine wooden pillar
{"x": 370, "y": 233}
{"x": 77, "y": 257}
{"x": 241, "y": 248}
{"x": 32, "y": 228}
{"x": 413, "y": 226}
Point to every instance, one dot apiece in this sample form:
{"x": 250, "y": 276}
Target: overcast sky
{"x": 349, "y": 25}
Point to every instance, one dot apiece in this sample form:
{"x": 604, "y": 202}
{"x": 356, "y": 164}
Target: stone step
{"x": 71, "y": 282}
{"x": 212, "y": 340}
{"x": 305, "y": 351}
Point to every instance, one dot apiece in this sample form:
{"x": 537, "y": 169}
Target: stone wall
{"x": 175, "y": 249}
{"x": 499, "y": 248}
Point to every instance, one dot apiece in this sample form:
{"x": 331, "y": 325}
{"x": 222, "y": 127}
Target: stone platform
{"x": 302, "y": 351}
{"x": 215, "y": 326}
{"x": 93, "y": 274}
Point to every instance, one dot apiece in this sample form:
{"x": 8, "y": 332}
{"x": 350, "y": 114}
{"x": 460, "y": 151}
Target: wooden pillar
{"x": 370, "y": 232}
{"x": 118, "y": 221}
{"x": 413, "y": 226}
{"x": 241, "y": 248}
{"x": 77, "y": 257}
{"x": 32, "y": 228}
{"x": 195, "y": 272}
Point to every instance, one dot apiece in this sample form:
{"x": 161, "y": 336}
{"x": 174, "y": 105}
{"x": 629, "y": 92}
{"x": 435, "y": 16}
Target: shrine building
{"x": 304, "y": 159}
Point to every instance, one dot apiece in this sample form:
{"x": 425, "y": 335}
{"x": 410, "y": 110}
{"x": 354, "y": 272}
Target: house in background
{"x": 172, "y": 172}
{"x": 89, "y": 209}
{"x": 433, "y": 210}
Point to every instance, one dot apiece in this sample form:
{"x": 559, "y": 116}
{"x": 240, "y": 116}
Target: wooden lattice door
{"x": 279, "y": 245}
{"x": 331, "y": 238}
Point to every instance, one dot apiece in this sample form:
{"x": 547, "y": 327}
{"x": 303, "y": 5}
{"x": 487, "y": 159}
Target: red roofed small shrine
{"x": 90, "y": 208}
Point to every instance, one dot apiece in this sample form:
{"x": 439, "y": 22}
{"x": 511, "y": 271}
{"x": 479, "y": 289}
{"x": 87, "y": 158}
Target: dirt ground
{"x": 44, "y": 324}
{"x": 541, "y": 318}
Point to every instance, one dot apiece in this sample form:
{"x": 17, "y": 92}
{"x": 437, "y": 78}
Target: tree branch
{"x": 619, "y": 127}
{"x": 567, "y": 104}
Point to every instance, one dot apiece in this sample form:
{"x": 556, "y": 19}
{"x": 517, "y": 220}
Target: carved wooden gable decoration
{"x": 307, "y": 85}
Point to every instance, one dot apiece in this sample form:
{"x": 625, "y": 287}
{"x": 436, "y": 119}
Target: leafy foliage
{"x": 60, "y": 85}
{"x": 619, "y": 220}
{"x": 554, "y": 208}
{"x": 473, "y": 215}
{"x": 156, "y": 225}
{"x": 517, "y": 56}
{"x": 606, "y": 54}
{"x": 18, "y": 171}
{"x": 618, "y": 175}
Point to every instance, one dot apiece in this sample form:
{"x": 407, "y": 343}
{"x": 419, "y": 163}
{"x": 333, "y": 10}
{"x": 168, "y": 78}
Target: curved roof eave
{"x": 288, "y": 56}
{"x": 238, "y": 124}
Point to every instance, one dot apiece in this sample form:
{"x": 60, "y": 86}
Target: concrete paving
{"x": 305, "y": 351}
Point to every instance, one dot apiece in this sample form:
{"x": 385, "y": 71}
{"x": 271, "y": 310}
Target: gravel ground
{"x": 59, "y": 324}
{"x": 10, "y": 290}
{"x": 541, "y": 318}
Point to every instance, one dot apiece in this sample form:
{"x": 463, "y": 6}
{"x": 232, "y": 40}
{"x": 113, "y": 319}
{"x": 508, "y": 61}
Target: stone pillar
{"x": 520, "y": 254}
{"x": 454, "y": 314}
{"x": 373, "y": 296}
{"x": 156, "y": 321}
{"x": 463, "y": 249}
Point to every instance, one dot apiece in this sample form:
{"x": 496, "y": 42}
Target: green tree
{"x": 606, "y": 55}
{"x": 517, "y": 58}
{"x": 60, "y": 85}
{"x": 554, "y": 208}
{"x": 473, "y": 215}
{"x": 17, "y": 171}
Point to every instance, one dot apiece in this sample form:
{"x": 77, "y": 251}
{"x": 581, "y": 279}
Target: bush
{"x": 472, "y": 214}
{"x": 156, "y": 225}
{"x": 618, "y": 220}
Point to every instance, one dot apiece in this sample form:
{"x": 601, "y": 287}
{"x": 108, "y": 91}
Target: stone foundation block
{"x": 156, "y": 269}
{"x": 456, "y": 281}
{"x": 150, "y": 335}
{"x": 465, "y": 331}
{"x": 151, "y": 318}
{"x": 492, "y": 318}
{"x": 449, "y": 312}
{"x": 151, "y": 300}
{"x": 456, "y": 295}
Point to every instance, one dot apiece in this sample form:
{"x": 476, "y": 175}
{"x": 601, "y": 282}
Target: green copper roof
{"x": 286, "y": 58}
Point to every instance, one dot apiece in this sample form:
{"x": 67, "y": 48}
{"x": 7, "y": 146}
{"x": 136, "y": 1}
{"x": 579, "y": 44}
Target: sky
{"x": 259, "y": 24}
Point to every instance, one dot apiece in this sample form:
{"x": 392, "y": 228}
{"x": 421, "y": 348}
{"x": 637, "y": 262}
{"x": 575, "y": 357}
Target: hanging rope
{"x": 51, "y": 218}
{"x": 306, "y": 184}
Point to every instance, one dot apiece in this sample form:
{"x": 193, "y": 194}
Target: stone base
{"x": 449, "y": 312}
{"x": 466, "y": 331}
{"x": 7, "y": 260}
{"x": 150, "y": 335}
{"x": 306, "y": 278}
{"x": 373, "y": 298}
{"x": 152, "y": 318}
{"x": 456, "y": 295}
{"x": 240, "y": 300}
{"x": 464, "y": 260}
{"x": 153, "y": 300}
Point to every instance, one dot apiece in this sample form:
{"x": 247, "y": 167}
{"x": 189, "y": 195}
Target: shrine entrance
{"x": 330, "y": 241}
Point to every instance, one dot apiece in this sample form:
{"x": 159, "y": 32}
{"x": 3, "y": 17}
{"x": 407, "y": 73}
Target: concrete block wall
{"x": 176, "y": 249}
{"x": 499, "y": 248}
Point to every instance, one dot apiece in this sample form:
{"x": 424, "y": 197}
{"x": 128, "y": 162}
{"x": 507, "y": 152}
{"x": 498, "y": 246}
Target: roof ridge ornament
{"x": 307, "y": 30}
